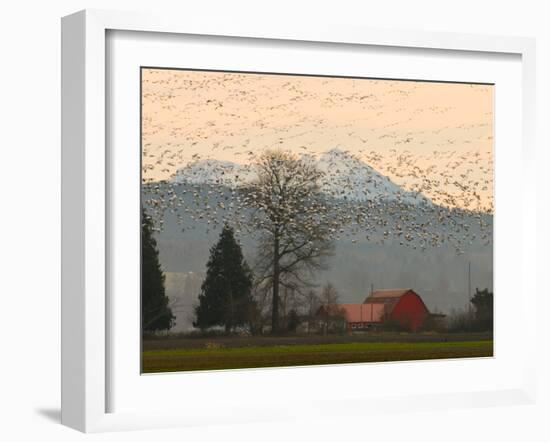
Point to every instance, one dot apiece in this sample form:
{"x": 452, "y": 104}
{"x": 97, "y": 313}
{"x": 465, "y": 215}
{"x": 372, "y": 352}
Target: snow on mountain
{"x": 215, "y": 172}
{"x": 345, "y": 177}
{"x": 348, "y": 177}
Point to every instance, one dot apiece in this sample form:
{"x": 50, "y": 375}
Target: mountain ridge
{"x": 345, "y": 177}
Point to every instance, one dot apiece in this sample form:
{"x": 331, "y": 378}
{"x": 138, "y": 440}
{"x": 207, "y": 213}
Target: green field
{"x": 219, "y": 357}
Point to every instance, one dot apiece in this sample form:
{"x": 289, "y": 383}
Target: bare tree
{"x": 311, "y": 302}
{"x": 330, "y": 308}
{"x": 293, "y": 220}
{"x": 262, "y": 298}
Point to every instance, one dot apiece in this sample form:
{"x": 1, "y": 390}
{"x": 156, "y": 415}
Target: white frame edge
{"x": 84, "y": 196}
{"x": 83, "y": 222}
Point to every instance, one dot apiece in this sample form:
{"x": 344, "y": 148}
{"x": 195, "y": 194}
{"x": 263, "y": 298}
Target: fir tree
{"x": 155, "y": 312}
{"x": 225, "y": 297}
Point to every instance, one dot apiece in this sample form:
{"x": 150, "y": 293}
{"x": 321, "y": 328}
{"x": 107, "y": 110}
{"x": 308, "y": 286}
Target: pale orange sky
{"x": 190, "y": 115}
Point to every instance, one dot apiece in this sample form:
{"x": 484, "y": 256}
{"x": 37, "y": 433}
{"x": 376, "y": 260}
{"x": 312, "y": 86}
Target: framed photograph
{"x": 259, "y": 210}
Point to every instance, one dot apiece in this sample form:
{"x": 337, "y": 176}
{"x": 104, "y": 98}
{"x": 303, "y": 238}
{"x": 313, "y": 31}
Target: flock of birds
{"x": 204, "y": 134}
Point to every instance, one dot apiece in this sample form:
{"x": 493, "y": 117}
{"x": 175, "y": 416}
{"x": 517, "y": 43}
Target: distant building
{"x": 400, "y": 307}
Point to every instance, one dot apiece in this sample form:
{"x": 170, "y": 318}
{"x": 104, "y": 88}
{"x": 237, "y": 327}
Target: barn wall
{"x": 410, "y": 311}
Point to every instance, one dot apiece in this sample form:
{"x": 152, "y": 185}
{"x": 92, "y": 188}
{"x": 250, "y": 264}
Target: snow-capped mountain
{"x": 348, "y": 177}
{"x": 345, "y": 177}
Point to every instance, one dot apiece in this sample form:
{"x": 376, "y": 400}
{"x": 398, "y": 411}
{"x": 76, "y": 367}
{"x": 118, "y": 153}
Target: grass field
{"x": 218, "y": 357}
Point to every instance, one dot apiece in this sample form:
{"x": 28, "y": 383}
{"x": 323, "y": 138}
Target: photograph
{"x": 305, "y": 219}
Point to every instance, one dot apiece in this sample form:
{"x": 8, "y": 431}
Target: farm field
{"x": 281, "y": 352}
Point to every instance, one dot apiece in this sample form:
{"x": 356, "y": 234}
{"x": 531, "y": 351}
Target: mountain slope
{"x": 345, "y": 177}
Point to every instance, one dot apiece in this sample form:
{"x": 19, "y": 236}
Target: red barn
{"x": 400, "y": 306}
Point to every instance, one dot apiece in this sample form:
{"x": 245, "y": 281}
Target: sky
{"x": 445, "y": 130}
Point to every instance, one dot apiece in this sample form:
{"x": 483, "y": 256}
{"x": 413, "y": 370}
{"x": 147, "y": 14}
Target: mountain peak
{"x": 334, "y": 151}
{"x": 338, "y": 153}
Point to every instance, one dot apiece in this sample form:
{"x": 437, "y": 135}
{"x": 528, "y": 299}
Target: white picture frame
{"x": 86, "y": 354}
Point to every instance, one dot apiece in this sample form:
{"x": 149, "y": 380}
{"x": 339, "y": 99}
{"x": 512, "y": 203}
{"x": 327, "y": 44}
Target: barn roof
{"x": 389, "y": 293}
{"x": 388, "y": 298}
{"x": 363, "y": 312}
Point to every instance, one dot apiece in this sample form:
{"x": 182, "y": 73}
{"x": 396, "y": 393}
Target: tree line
{"x": 231, "y": 298}
{"x": 290, "y": 216}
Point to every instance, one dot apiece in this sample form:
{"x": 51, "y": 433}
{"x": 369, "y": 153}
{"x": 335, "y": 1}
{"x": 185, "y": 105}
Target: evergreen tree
{"x": 155, "y": 312}
{"x": 483, "y": 303}
{"x": 293, "y": 320}
{"x": 225, "y": 297}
